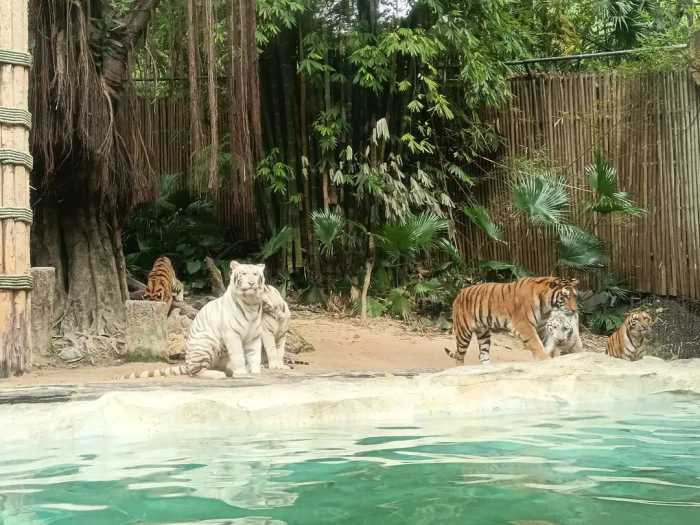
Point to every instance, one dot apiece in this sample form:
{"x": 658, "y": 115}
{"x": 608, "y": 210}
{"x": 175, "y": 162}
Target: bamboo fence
{"x": 647, "y": 125}
{"x": 15, "y": 165}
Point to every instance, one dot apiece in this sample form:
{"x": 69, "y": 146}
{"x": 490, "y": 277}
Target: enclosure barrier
{"x": 15, "y": 166}
{"x": 648, "y": 128}
{"x": 647, "y": 125}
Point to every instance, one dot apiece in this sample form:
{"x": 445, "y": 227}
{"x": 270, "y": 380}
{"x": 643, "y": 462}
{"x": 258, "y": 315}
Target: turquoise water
{"x": 633, "y": 466}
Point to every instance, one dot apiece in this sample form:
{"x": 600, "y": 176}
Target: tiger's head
{"x": 639, "y": 323}
{"x": 563, "y": 294}
{"x": 247, "y": 281}
{"x": 559, "y": 328}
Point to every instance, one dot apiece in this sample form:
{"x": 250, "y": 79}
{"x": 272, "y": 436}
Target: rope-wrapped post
{"x": 15, "y": 166}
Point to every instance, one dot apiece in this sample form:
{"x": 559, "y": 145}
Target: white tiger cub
{"x": 561, "y": 333}
{"x": 225, "y": 336}
{"x": 275, "y": 324}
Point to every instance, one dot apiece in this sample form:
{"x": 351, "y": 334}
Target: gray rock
{"x": 71, "y": 354}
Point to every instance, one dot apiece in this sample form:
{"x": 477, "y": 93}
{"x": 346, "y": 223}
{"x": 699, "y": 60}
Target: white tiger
{"x": 561, "y": 333}
{"x": 225, "y": 336}
{"x": 275, "y": 324}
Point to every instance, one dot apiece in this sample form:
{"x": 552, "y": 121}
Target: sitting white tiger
{"x": 225, "y": 336}
{"x": 275, "y": 324}
{"x": 561, "y": 333}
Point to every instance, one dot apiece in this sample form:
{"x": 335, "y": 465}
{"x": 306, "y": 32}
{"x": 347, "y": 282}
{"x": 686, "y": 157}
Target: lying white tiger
{"x": 561, "y": 333}
{"x": 225, "y": 336}
{"x": 275, "y": 324}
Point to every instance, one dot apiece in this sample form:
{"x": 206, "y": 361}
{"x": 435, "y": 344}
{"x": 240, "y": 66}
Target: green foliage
{"x": 277, "y": 242}
{"x": 480, "y": 217}
{"x": 329, "y": 128}
{"x": 500, "y": 271}
{"x": 541, "y": 198}
{"x": 273, "y": 173}
{"x": 606, "y": 321}
{"x": 328, "y": 228}
{"x": 176, "y": 226}
{"x": 408, "y": 238}
{"x": 605, "y": 308}
{"x": 399, "y": 303}
{"x": 581, "y": 250}
{"x": 275, "y": 15}
{"x": 602, "y": 178}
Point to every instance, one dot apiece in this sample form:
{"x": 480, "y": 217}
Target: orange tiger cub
{"x": 627, "y": 342}
{"x": 162, "y": 283}
{"x": 522, "y": 306}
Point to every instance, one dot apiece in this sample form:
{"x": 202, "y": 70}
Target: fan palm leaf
{"x": 602, "y": 178}
{"x": 581, "y": 250}
{"x": 328, "y": 227}
{"x": 542, "y": 199}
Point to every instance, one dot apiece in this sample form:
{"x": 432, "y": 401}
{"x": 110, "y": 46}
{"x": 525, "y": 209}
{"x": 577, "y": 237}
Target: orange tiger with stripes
{"x": 627, "y": 342}
{"x": 522, "y": 306}
{"x": 162, "y": 283}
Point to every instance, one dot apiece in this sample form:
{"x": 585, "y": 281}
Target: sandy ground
{"x": 341, "y": 344}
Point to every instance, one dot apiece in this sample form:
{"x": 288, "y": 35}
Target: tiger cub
{"x": 561, "y": 333}
{"x": 522, "y": 306}
{"x": 162, "y": 283}
{"x": 627, "y": 342}
{"x": 275, "y": 324}
{"x": 225, "y": 336}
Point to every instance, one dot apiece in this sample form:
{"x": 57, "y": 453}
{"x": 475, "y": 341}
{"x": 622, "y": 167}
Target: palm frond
{"x": 446, "y": 246}
{"x": 399, "y": 304}
{"x": 602, "y": 178}
{"x": 542, "y": 199}
{"x": 328, "y": 227}
{"x": 480, "y": 217}
{"x": 581, "y": 250}
{"x": 275, "y": 243}
{"x": 426, "y": 229}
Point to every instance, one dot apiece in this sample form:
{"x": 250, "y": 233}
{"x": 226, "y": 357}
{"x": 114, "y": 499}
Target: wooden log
{"x": 15, "y": 301}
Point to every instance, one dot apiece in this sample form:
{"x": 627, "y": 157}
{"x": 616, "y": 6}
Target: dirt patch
{"x": 341, "y": 344}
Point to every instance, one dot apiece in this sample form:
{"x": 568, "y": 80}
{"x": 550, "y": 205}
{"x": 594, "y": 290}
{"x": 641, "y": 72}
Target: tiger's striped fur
{"x": 225, "y": 336}
{"x": 561, "y": 333}
{"x": 522, "y": 306}
{"x": 627, "y": 342}
{"x": 275, "y": 320}
{"x": 163, "y": 285}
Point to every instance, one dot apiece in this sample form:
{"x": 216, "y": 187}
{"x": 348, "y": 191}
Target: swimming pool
{"x": 637, "y": 465}
{"x": 582, "y": 441}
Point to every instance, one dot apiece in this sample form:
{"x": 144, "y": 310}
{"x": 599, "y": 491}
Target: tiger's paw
{"x": 211, "y": 374}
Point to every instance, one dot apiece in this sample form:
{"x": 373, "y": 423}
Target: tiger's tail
{"x": 169, "y": 371}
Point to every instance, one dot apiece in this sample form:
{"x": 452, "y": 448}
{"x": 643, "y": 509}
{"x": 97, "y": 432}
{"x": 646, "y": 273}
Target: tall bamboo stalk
{"x": 15, "y": 165}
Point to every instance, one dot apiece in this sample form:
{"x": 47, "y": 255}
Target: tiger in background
{"x": 275, "y": 324}
{"x": 561, "y": 333}
{"x": 163, "y": 285}
{"x": 627, "y": 342}
{"x": 225, "y": 336}
{"x": 522, "y": 306}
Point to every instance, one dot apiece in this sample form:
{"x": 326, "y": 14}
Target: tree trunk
{"x": 369, "y": 266}
{"x": 74, "y": 235}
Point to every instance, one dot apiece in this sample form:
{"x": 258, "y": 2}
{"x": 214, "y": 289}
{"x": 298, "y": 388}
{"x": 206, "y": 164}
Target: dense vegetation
{"x": 355, "y": 135}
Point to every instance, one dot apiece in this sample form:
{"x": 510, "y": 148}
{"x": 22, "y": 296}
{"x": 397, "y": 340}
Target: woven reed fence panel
{"x": 648, "y": 127}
